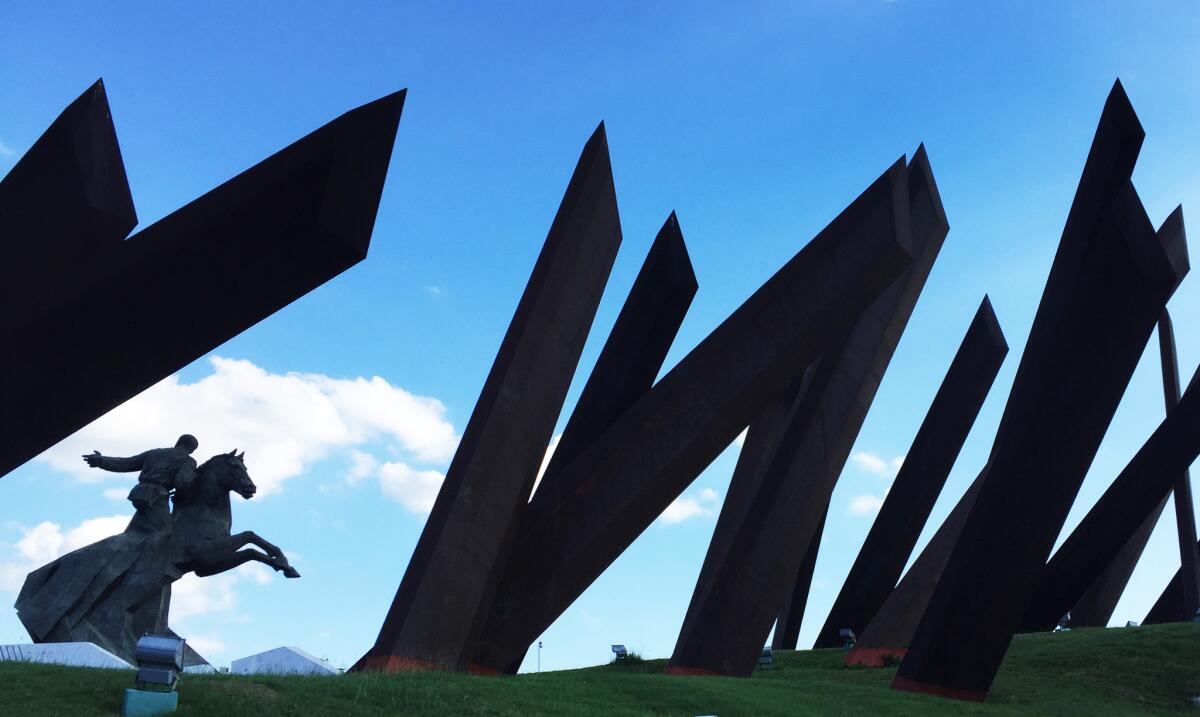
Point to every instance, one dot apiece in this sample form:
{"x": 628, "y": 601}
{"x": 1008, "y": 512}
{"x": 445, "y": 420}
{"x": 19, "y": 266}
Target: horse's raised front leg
{"x": 229, "y": 561}
{"x": 249, "y": 536}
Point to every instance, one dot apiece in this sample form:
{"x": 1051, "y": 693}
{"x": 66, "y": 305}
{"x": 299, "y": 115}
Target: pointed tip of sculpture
{"x": 82, "y": 141}
{"x": 670, "y": 243}
{"x": 987, "y": 315}
{"x": 361, "y": 150}
{"x": 1172, "y": 236}
{"x": 920, "y": 164}
{"x": 1118, "y": 107}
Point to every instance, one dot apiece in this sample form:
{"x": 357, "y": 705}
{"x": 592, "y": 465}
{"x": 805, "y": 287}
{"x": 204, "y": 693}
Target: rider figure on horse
{"x": 161, "y": 470}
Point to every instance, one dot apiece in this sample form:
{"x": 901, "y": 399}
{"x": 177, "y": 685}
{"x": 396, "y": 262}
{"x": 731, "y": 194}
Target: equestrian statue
{"x": 117, "y": 589}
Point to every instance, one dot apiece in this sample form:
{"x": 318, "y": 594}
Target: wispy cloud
{"x": 703, "y": 504}
{"x": 416, "y": 490}
{"x": 866, "y": 504}
{"x": 434, "y": 290}
{"x": 5, "y": 151}
{"x": 284, "y": 422}
{"x": 872, "y": 463}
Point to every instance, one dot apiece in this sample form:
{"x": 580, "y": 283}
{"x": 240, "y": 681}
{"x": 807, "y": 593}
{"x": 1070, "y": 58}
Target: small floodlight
{"x": 1064, "y": 623}
{"x": 849, "y": 639}
{"x": 765, "y": 658}
{"x": 159, "y": 662}
{"x": 1131, "y": 623}
{"x": 620, "y": 651}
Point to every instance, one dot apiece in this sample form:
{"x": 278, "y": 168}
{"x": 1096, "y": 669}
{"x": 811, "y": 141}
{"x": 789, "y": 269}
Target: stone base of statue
{"x": 109, "y": 593}
{"x": 69, "y": 654}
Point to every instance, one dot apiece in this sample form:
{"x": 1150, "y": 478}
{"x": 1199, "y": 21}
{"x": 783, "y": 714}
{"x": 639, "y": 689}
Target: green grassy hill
{"x": 1147, "y": 670}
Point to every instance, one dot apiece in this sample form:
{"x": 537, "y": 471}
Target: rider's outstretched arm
{"x": 119, "y": 465}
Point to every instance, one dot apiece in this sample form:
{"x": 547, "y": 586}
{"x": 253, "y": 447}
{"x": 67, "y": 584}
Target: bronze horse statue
{"x": 202, "y": 520}
{"x": 116, "y": 589}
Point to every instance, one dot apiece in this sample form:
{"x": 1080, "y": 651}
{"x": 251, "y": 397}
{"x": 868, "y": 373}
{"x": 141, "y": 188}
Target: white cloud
{"x": 683, "y": 508}
{"x": 89, "y": 531}
{"x": 46, "y": 541}
{"x": 192, "y": 596}
{"x": 284, "y": 422}
{"x": 363, "y": 466}
{"x": 433, "y": 289}
{"x": 260, "y": 573}
{"x": 41, "y": 543}
{"x": 117, "y": 494}
{"x": 866, "y": 504}
{"x": 12, "y": 576}
{"x": 5, "y": 151}
{"x": 205, "y": 645}
{"x": 413, "y": 489}
{"x": 872, "y": 463}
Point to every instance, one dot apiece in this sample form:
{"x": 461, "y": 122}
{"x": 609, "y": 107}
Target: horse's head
{"x": 231, "y": 474}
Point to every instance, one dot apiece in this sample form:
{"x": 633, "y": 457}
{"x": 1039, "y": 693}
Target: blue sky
{"x": 757, "y": 122}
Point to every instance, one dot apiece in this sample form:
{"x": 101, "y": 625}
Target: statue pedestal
{"x": 71, "y": 654}
{"x": 145, "y": 703}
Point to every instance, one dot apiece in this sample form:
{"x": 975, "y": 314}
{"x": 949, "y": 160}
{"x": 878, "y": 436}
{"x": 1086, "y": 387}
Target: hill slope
{"x": 1147, "y": 670}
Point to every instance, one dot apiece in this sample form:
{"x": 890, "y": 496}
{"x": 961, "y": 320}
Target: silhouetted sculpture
{"x": 1096, "y": 606}
{"x": 791, "y": 616}
{"x": 1185, "y": 513}
{"x": 117, "y": 589}
{"x": 64, "y": 204}
{"x": 175, "y": 290}
{"x": 632, "y": 355}
{"x": 635, "y": 350}
{"x": 1110, "y": 279}
{"x": 624, "y": 479}
{"x": 161, "y": 470}
{"x": 927, "y": 464}
{"x": 1170, "y": 605}
{"x": 1116, "y": 516}
{"x": 444, "y": 597}
{"x": 888, "y": 633}
{"x": 749, "y": 570}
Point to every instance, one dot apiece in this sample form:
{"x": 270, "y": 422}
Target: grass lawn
{"x": 1145, "y": 670}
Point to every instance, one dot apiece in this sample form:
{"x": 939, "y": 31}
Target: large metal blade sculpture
{"x": 444, "y": 597}
{"x": 616, "y": 487}
{"x": 1110, "y": 279}
{"x": 63, "y": 205}
{"x": 1096, "y": 606}
{"x": 919, "y": 482}
{"x": 751, "y": 565}
{"x": 84, "y": 340}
